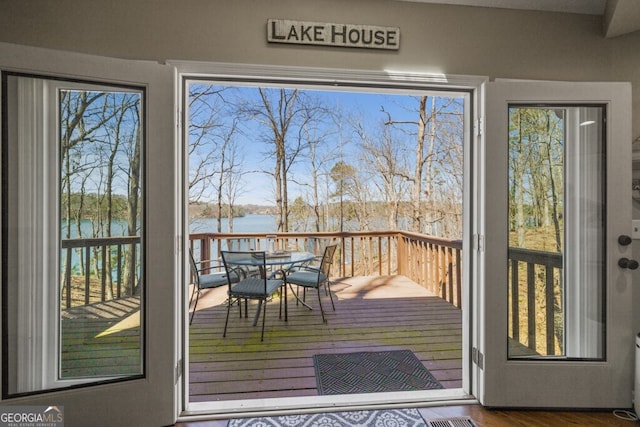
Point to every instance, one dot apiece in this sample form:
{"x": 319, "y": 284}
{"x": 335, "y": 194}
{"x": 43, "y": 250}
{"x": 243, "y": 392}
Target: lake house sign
{"x": 327, "y": 34}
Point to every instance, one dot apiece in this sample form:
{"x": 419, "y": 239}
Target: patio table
{"x": 280, "y": 259}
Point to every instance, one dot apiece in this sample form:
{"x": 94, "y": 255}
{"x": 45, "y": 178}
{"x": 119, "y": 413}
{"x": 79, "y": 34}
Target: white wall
{"x": 434, "y": 38}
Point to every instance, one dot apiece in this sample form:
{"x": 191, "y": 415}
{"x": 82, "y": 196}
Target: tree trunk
{"x": 519, "y": 185}
{"x": 129, "y": 279}
{"x": 416, "y": 199}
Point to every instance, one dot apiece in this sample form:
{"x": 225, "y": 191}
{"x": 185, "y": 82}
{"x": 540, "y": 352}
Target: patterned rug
{"x": 379, "y": 418}
{"x": 372, "y": 372}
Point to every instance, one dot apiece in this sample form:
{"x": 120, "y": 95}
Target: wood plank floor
{"x": 372, "y": 314}
{"x": 101, "y": 339}
{"x": 484, "y": 417}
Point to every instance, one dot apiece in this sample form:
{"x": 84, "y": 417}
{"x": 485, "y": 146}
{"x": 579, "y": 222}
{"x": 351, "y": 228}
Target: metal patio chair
{"x": 315, "y": 278}
{"x": 205, "y": 281}
{"x": 259, "y": 288}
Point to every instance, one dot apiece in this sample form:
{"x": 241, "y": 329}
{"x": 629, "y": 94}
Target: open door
{"x": 556, "y": 302}
{"x": 89, "y": 220}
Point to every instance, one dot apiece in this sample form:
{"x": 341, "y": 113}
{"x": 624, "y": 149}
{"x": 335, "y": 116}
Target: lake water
{"x": 253, "y": 223}
{"x": 245, "y": 224}
{"x": 256, "y": 223}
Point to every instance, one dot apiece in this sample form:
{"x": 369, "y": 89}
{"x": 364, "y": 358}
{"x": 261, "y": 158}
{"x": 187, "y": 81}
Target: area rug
{"x": 372, "y": 372}
{"x": 378, "y": 418}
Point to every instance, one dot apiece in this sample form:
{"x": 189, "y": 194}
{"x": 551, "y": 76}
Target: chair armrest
{"x": 214, "y": 263}
{"x": 279, "y": 272}
{"x": 304, "y": 268}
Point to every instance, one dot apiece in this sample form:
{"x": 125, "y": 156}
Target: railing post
{"x": 531, "y": 305}
{"x": 68, "y": 276}
{"x": 103, "y": 278}
{"x": 515, "y": 301}
{"x": 458, "y": 278}
{"x": 353, "y": 258}
{"x": 380, "y": 256}
{"x": 550, "y": 309}
{"x": 205, "y": 250}
{"x": 450, "y": 273}
{"x": 425, "y": 265}
{"x": 402, "y": 255}
{"x": 442, "y": 280}
{"x": 87, "y": 276}
{"x": 119, "y": 271}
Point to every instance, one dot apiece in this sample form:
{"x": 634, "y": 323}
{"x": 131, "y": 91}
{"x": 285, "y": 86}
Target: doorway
{"x": 381, "y": 124}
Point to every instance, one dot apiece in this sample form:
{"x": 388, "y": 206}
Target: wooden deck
{"x": 372, "y": 314}
{"x": 101, "y": 339}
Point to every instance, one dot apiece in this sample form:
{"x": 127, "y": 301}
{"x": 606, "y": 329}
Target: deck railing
{"x": 535, "y": 275}
{"x": 432, "y": 262}
{"x": 429, "y": 261}
{"x": 110, "y": 255}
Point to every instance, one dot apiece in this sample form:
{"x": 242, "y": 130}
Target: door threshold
{"x": 197, "y": 411}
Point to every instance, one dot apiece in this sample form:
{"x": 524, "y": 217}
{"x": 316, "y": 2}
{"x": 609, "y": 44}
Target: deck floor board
{"x": 372, "y": 314}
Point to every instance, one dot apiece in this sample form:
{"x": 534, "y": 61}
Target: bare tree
{"x": 320, "y": 136}
{"x": 384, "y": 154}
{"x": 352, "y": 190}
{"x": 284, "y": 113}
{"x": 231, "y": 181}
{"x": 437, "y": 165}
{"x": 279, "y": 114}
{"x": 536, "y": 173}
{"x": 208, "y": 128}
{"x": 133, "y": 199}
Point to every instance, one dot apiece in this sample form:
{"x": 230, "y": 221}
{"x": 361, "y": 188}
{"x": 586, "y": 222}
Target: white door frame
{"x": 316, "y": 78}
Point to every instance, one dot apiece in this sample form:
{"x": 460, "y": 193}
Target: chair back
{"x": 327, "y": 260}
{"x": 194, "y": 270}
{"x": 245, "y": 261}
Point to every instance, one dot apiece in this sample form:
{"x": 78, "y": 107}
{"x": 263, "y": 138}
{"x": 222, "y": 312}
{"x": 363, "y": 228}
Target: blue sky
{"x": 357, "y": 109}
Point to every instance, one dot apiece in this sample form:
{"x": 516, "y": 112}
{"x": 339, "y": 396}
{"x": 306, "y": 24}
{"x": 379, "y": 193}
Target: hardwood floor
{"x": 372, "y": 314}
{"x": 484, "y": 417}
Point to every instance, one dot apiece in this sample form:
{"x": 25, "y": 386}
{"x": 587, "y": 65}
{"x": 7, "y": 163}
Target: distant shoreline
{"x": 208, "y": 210}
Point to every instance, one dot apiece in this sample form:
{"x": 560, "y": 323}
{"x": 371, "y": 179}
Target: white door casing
{"x": 362, "y": 80}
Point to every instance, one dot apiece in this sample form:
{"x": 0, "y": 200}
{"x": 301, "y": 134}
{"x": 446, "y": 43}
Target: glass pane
{"x": 100, "y": 210}
{"x": 73, "y": 211}
{"x": 556, "y": 235}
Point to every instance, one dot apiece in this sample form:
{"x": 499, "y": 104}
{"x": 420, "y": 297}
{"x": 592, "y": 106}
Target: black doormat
{"x": 372, "y": 372}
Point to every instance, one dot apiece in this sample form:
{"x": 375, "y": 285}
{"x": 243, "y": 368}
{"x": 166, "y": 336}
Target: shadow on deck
{"x": 101, "y": 339}
{"x": 372, "y": 314}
